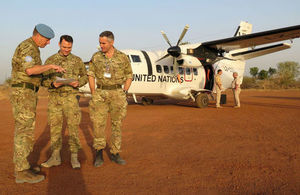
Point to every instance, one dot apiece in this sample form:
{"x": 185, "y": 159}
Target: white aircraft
{"x": 186, "y": 72}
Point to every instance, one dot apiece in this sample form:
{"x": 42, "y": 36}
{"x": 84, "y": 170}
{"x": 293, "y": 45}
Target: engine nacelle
{"x": 188, "y": 61}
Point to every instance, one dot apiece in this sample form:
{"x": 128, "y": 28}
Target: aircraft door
{"x": 209, "y": 77}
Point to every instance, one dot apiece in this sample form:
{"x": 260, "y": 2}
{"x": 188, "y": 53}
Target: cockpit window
{"x": 158, "y": 68}
{"x": 166, "y": 69}
{"x": 135, "y": 58}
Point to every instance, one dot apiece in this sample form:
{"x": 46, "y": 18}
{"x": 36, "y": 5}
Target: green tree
{"x": 254, "y": 71}
{"x": 287, "y": 73}
{"x": 272, "y": 71}
{"x": 263, "y": 74}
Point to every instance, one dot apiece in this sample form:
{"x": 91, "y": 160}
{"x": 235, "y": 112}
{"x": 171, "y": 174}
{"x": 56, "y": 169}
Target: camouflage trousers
{"x": 23, "y": 103}
{"x": 60, "y": 105}
{"x": 102, "y": 103}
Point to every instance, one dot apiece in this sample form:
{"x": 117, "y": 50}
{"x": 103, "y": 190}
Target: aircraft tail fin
{"x": 243, "y": 29}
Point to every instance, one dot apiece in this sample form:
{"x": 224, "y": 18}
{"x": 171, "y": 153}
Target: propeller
{"x": 165, "y": 37}
{"x": 174, "y": 51}
{"x": 182, "y": 34}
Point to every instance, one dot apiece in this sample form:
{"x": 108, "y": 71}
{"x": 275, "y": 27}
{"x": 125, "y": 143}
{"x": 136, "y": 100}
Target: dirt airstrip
{"x": 174, "y": 148}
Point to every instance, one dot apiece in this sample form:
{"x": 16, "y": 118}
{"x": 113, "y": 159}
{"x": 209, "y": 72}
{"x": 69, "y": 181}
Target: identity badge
{"x": 107, "y": 75}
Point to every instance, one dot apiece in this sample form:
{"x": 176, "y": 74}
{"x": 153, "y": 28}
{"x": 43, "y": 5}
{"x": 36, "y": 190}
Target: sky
{"x": 137, "y": 24}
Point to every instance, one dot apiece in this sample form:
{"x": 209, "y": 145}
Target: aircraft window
{"x": 136, "y": 58}
{"x": 158, "y": 68}
{"x": 188, "y": 71}
{"x": 171, "y": 69}
{"x": 166, "y": 69}
{"x": 180, "y": 70}
{"x": 195, "y": 71}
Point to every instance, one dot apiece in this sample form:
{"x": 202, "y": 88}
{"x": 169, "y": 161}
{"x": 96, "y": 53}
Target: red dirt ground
{"x": 175, "y": 148}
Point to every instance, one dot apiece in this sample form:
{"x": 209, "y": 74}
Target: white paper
{"x": 63, "y": 80}
{"x": 107, "y": 75}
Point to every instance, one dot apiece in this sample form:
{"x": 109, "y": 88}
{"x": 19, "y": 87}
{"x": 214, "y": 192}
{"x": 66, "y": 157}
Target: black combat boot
{"x": 117, "y": 159}
{"x": 99, "y": 158}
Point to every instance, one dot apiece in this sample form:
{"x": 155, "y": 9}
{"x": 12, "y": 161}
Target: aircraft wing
{"x": 254, "y": 39}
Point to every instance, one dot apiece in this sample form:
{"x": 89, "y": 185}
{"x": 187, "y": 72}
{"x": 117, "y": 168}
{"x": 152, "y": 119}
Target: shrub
{"x": 249, "y": 82}
{"x": 287, "y": 73}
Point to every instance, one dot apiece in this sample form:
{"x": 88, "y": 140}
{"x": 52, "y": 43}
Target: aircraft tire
{"x": 147, "y": 101}
{"x": 202, "y": 100}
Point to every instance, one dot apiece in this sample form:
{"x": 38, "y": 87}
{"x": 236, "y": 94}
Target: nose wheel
{"x": 147, "y": 101}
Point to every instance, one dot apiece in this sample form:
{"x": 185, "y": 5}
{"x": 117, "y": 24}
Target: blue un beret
{"x": 45, "y": 31}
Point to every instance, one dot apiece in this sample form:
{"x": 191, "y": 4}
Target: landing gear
{"x": 147, "y": 101}
{"x": 202, "y": 100}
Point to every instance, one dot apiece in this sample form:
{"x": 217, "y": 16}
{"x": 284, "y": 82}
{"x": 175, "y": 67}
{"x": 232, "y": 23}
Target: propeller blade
{"x": 165, "y": 56}
{"x": 182, "y": 34}
{"x": 165, "y": 37}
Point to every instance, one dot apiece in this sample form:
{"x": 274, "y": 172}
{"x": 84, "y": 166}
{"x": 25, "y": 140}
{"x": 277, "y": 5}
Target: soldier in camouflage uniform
{"x": 26, "y": 77}
{"x": 63, "y": 102}
{"x": 112, "y": 69}
{"x": 218, "y": 87}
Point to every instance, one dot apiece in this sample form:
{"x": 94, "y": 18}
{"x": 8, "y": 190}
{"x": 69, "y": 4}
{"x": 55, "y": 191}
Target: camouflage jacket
{"x": 27, "y": 55}
{"x": 74, "y": 67}
{"x": 118, "y": 65}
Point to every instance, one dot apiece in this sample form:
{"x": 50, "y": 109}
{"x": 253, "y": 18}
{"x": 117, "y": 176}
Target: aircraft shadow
{"x": 168, "y": 102}
{"x": 84, "y": 102}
